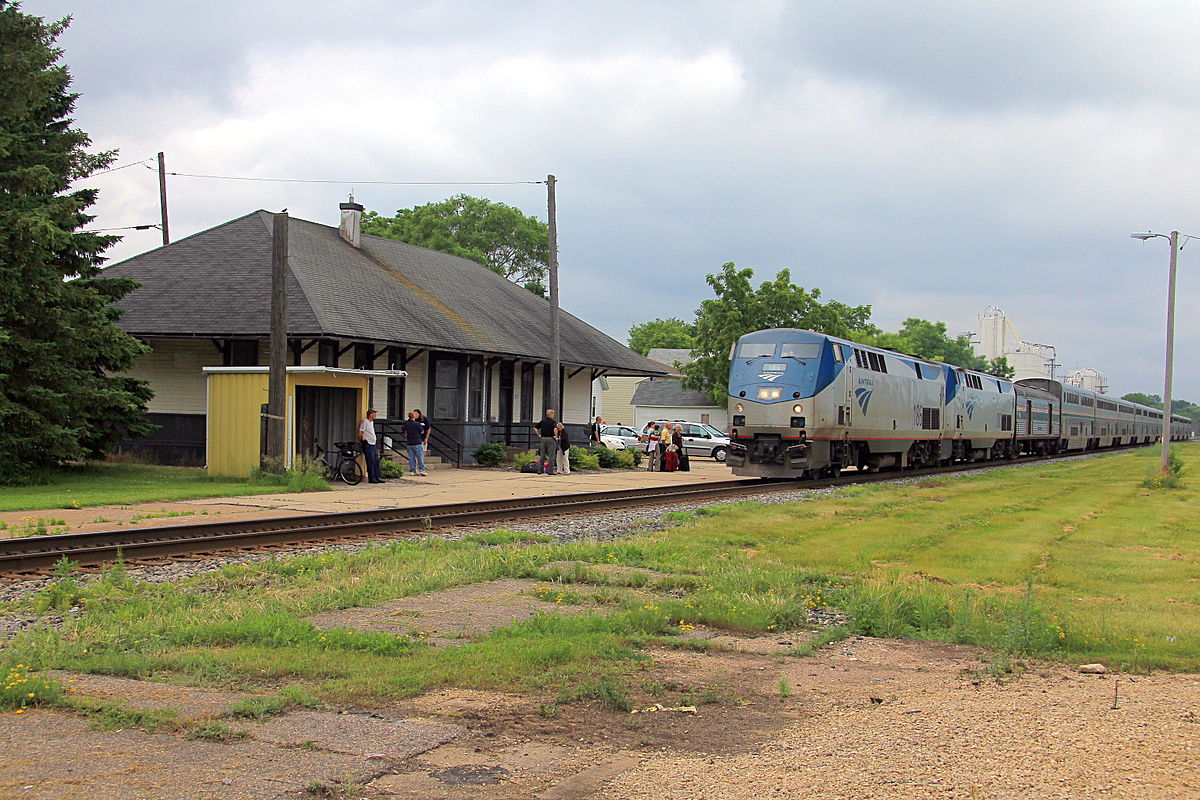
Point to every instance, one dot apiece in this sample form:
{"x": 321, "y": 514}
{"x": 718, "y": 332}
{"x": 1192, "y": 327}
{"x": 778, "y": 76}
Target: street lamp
{"x": 1173, "y": 238}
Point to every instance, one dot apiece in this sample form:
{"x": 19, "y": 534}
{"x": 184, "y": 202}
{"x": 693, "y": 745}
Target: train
{"x": 804, "y": 404}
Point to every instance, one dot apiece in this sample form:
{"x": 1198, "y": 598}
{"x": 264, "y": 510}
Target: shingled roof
{"x": 217, "y": 283}
{"x": 667, "y": 393}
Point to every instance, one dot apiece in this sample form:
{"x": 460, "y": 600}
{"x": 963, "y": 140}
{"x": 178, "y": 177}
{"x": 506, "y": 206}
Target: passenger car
{"x": 700, "y": 439}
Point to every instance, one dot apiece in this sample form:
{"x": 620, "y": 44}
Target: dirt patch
{"x": 188, "y": 703}
{"x": 451, "y": 616}
{"x": 781, "y": 644}
{"x": 364, "y": 735}
{"x": 52, "y": 756}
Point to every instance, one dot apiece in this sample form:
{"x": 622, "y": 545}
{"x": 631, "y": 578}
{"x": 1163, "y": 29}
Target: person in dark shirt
{"x": 414, "y": 439}
{"x": 547, "y": 429}
{"x": 564, "y": 450}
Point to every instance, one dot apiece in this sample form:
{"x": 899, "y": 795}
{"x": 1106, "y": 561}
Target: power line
{"x": 123, "y": 166}
{"x": 125, "y": 228}
{"x": 356, "y": 183}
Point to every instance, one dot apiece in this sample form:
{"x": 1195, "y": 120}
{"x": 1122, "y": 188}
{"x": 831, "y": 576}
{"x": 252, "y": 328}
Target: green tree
{"x": 920, "y": 337}
{"x": 58, "y": 342}
{"x": 494, "y": 234}
{"x": 1151, "y": 400}
{"x": 740, "y": 308}
{"x": 670, "y": 332}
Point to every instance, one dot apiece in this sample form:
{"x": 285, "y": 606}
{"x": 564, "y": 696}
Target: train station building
{"x": 473, "y": 347}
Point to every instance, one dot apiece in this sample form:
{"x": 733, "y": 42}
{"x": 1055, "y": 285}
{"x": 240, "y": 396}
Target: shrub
{"x": 390, "y": 469}
{"x": 307, "y": 475}
{"x": 523, "y": 458}
{"x": 490, "y": 454}
{"x": 628, "y": 459}
{"x": 608, "y": 458}
{"x": 583, "y": 459}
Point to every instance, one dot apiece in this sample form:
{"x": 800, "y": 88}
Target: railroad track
{"x": 38, "y": 553}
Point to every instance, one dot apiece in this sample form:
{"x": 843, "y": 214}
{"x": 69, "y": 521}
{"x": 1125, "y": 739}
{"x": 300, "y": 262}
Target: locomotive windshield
{"x": 806, "y": 350}
{"x": 756, "y": 350}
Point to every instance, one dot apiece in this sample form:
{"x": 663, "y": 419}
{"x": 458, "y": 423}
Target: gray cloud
{"x": 928, "y": 158}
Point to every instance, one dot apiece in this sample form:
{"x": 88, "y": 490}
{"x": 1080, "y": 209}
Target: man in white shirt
{"x": 366, "y": 434}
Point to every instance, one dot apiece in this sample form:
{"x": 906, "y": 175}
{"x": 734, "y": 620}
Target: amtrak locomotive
{"x": 803, "y": 404}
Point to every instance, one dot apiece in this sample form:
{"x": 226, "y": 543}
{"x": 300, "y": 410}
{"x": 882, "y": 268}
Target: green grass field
{"x": 1064, "y": 561}
{"x": 124, "y": 484}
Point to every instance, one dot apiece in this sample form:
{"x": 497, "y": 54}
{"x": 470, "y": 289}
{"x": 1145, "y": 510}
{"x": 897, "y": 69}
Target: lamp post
{"x": 1173, "y": 238}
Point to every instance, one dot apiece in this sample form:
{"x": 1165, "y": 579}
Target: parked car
{"x": 701, "y": 439}
{"x": 618, "y": 437}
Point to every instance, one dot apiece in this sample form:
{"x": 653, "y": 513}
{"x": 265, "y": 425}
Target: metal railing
{"x": 441, "y": 444}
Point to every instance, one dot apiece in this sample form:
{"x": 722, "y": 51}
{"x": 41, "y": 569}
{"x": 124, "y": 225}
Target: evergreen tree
{"x": 59, "y": 343}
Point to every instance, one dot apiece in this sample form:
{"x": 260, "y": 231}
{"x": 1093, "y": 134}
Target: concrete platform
{"x": 443, "y": 485}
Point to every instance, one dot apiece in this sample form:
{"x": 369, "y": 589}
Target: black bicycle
{"x": 346, "y": 465}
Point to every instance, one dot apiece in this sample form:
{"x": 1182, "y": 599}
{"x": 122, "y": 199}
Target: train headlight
{"x": 739, "y": 408}
{"x": 796, "y": 409}
{"x": 769, "y": 393}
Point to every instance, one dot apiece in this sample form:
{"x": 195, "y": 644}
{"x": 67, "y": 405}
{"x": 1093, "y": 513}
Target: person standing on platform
{"x": 548, "y": 446}
{"x": 415, "y": 433}
{"x": 594, "y": 432}
{"x": 366, "y": 435}
{"x": 652, "y": 442}
{"x": 428, "y": 429}
{"x": 564, "y": 450}
{"x": 665, "y": 448}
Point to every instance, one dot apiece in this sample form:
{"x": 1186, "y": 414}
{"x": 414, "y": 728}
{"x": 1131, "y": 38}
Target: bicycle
{"x": 346, "y": 466}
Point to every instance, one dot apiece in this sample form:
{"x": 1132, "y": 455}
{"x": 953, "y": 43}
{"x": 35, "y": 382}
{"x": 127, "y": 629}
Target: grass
{"x": 124, "y": 484}
{"x": 1070, "y": 561}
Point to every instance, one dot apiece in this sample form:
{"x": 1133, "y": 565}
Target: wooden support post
{"x": 555, "y": 343}
{"x": 277, "y": 384}
{"x": 162, "y": 197}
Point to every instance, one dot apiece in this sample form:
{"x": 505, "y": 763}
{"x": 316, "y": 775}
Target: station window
{"x": 241, "y": 353}
{"x": 364, "y": 356}
{"x": 447, "y": 389}
{"x": 475, "y": 390}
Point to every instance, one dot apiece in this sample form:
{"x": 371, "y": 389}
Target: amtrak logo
{"x": 863, "y": 396}
{"x": 769, "y": 376}
{"x": 970, "y": 409}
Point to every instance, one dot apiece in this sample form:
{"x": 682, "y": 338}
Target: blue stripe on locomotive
{"x": 803, "y": 376}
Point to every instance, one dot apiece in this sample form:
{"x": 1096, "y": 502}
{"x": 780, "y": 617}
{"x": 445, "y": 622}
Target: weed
{"x": 61, "y": 593}
{"x": 785, "y": 688}
{"x": 548, "y": 710}
{"x": 257, "y": 708}
{"x": 23, "y": 689}
{"x": 605, "y": 690}
{"x": 216, "y": 732}
{"x": 500, "y": 537}
{"x": 30, "y": 526}
{"x": 160, "y": 515}
{"x": 825, "y": 636}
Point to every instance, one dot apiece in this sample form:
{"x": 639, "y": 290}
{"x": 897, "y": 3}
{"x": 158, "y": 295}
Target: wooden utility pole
{"x": 277, "y": 383}
{"x": 162, "y": 197}
{"x": 555, "y": 340}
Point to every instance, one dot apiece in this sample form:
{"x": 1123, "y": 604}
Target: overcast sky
{"x": 928, "y": 158}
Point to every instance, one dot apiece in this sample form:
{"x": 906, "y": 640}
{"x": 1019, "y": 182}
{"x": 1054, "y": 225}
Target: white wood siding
{"x": 174, "y": 369}
{"x": 617, "y": 408}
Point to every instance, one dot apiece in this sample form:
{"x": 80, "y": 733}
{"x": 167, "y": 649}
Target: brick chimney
{"x": 351, "y": 227}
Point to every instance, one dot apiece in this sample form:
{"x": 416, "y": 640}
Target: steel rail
{"x": 37, "y": 553}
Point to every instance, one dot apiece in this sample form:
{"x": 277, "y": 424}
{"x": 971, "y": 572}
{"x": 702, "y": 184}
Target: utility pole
{"x": 162, "y": 197}
{"x": 1166, "y": 428}
{"x": 277, "y": 380}
{"x": 555, "y": 339}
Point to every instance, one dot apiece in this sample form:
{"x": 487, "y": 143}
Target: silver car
{"x": 700, "y": 439}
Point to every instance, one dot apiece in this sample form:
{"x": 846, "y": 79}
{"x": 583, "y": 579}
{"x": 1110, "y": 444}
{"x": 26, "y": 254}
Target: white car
{"x": 618, "y": 437}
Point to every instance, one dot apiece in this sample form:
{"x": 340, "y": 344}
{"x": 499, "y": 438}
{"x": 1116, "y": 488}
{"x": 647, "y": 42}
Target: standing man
{"x": 366, "y": 435}
{"x": 594, "y": 431}
{"x": 548, "y": 448}
{"x": 415, "y": 432}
